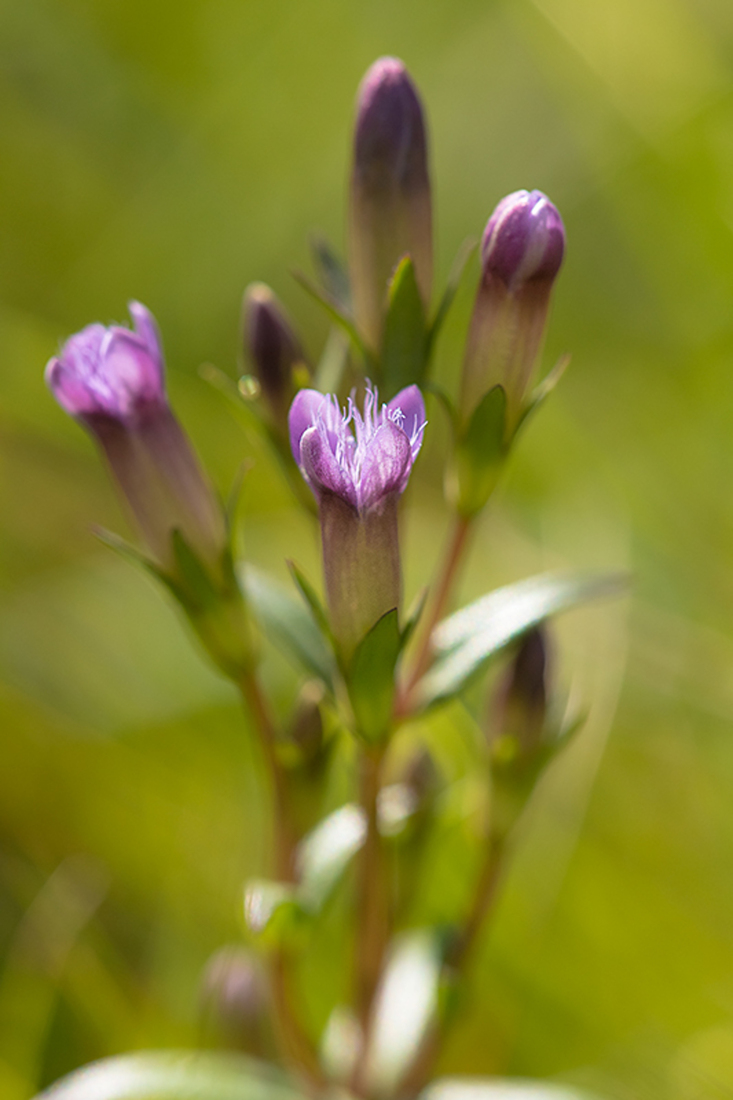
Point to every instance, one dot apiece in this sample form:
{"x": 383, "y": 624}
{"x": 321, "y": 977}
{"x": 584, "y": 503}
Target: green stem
{"x": 456, "y": 963}
{"x": 436, "y": 609}
{"x": 296, "y": 1045}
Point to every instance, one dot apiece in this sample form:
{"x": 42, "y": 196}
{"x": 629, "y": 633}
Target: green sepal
{"x": 466, "y": 640}
{"x": 332, "y": 272}
{"x": 273, "y": 916}
{"x": 371, "y": 677}
{"x": 480, "y": 453}
{"x": 289, "y": 624}
{"x": 540, "y": 394}
{"x": 456, "y": 273}
{"x": 339, "y": 315}
{"x": 201, "y": 595}
{"x": 130, "y": 553}
{"x": 413, "y": 616}
{"x": 405, "y": 339}
{"x": 311, "y": 598}
{"x": 175, "y": 1075}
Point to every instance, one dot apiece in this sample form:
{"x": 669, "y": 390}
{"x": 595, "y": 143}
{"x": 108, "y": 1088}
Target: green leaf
{"x": 174, "y": 1075}
{"x": 129, "y": 552}
{"x": 501, "y": 1088}
{"x": 459, "y": 266}
{"x": 480, "y": 452}
{"x": 286, "y": 622}
{"x": 413, "y": 616}
{"x": 325, "y": 853}
{"x": 371, "y": 677}
{"x": 404, "y": 344}
{"x": 467, "y": 639}
{"x": 405, "y": 1006}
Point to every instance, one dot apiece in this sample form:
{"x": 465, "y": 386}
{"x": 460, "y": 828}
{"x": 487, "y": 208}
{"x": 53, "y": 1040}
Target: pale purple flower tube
{"x": 112, "y": 381}
{"x": 358, "y": 464}
{"x": 521, "y": 254}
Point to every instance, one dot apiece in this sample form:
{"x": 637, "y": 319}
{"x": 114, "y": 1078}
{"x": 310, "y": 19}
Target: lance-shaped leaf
{"x": 501, "y": 1088}
{"x": 326, "y": 852}
{"x": 466, "y": 640}
{"x": 404, "y": 343}
{"x": 287, "y": 622}
{"x": 406, "y": 1003}
{"x": 175, "y": 1075}
{"x": 371, "y": 678}
{"x": 451, "y": 289}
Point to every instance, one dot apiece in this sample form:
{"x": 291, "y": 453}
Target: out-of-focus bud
{"x": 522, "y": 699}
{"x": 306, "y": 729}
{"x": 518, "y": 736}
{"x": 521, "y": 254}
{"x": 112, "y": 381}
{"x": 273, "y": 349}
{"x": 390, "y": 208}
{"x": 234, "y": 1002}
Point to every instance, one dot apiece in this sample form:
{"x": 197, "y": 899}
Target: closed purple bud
{"x": 523, "y": 240}
{"x": 390, "y": 208}
{"x": 521, "y": 253}
{"x": 272, "y": 347}
{"x": 112, "y": 381}
{"x": 358, "y": 464}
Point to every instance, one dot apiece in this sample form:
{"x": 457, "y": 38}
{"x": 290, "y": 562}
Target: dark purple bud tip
{"x": 390, "y": 128}
{"x": 523, "y": 695}
{"x": 524, "y": 239}
{"x": 111, "y": 373}
{"x": 270, "y": 342}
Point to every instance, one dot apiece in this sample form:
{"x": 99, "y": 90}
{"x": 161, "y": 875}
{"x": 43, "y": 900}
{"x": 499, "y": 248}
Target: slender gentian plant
{"x": 370, "y": 677}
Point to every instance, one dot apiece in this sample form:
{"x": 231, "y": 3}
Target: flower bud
{"x": 234, "y": 1001}
{"x": 272, "y": 347}
{"x": 112, "y": 381}
{"x": 521, "y": 254}
{"x": 306, "y": 728}
{"x": 521, "y": 704}
{"x": 357, "y": 477}
{"x": 390, "y": 208}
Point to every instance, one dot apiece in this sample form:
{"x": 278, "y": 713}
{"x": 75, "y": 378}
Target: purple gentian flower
{"x": 112, "y": 380}
{"x": 357, "y": 464}
{"x": 111, "y": 373}
{"x": 363, "y": 466}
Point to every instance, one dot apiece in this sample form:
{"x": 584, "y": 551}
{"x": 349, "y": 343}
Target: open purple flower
{"x": 112, "y": 380}
{"x": 358, "y": 464}
{"x": 364, "y": 466}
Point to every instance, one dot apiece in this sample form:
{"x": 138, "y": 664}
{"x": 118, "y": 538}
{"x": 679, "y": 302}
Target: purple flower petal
{"x": 410, "y": 403}
{"x": 302, "y": 416}
{"x": 110, "y": 372}
{"x": 387, "y": 460}
{"x": 147, "y": 329}
{"x": 322, "y": 470}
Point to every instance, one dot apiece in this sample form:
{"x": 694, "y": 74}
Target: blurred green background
{"x": 175, "y": 152}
